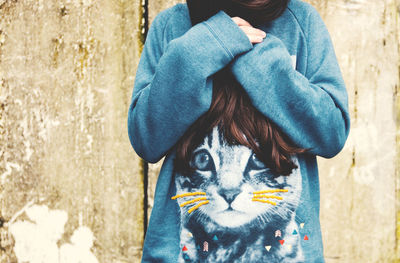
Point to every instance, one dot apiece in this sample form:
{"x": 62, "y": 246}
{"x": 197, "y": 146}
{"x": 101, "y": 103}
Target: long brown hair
{"x": 231, "y": 109}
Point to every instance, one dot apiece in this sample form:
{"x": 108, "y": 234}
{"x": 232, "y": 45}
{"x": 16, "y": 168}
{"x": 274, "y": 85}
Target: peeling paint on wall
{"x": 66, "y": 74}
{"x": 36, "y": 240}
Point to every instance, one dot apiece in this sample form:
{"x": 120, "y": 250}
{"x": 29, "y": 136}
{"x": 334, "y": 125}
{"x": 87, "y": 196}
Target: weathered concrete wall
{"x": 358, "y": 208}
{"x": 66, "y": 76}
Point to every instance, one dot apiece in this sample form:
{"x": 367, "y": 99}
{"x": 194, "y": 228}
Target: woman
{"x": 223, "y": 198}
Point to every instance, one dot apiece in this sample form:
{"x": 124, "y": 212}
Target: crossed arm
{"x": 173, "y": 87}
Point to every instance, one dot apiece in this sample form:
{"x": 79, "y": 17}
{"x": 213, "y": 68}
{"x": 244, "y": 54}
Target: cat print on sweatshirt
{"x": 234, "y": 209}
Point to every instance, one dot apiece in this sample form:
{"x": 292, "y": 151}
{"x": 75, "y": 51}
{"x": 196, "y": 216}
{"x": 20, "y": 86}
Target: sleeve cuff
{"x": 229, "y": 34}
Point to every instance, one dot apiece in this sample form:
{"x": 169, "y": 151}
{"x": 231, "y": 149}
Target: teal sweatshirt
{"x": 234, "y": 209}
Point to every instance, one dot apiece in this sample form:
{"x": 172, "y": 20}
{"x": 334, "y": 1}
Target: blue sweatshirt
{"x": 233, "y": 209}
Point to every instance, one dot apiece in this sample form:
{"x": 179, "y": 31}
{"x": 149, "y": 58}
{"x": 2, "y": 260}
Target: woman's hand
{"x": 255, "y": 35}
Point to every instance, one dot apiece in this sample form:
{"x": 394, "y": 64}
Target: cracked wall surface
{"x": 66, "y": 77}
{"x": 67, "y": 70}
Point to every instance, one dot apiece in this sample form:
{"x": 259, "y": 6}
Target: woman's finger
{"x": 240, "y": 21}
{"x": 255, "y": 35}
{"x": 253, "y": 30}
{"x": 255, "y": 38}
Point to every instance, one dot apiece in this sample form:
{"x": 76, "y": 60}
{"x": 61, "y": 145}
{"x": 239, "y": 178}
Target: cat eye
{"x": 202, "y": 161}
{"x": 255, "y": 163}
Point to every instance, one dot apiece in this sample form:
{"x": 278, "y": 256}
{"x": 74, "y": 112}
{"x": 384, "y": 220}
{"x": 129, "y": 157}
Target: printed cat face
{"x": 231, "y": 188}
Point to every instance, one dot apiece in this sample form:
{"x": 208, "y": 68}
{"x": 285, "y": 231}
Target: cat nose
{"x": 229, "y": 195}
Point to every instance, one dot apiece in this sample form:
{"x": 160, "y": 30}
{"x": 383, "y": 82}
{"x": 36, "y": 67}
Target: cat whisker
{"x": 271, "y": 191}
{"x": 268, "y": 196}
{"x": 263, "y": 201}
{"x": 188, "y": 194}
{"x": 193, "y": 201}
{"x": 262, "y": 219}
{"x": 197, "y": 206}
{"x": 266, "y": 218}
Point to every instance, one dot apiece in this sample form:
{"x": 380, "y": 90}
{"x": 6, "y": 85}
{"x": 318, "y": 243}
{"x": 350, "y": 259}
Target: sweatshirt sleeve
{"x": 312, "y": 109}
{"x": 173, "y": 85}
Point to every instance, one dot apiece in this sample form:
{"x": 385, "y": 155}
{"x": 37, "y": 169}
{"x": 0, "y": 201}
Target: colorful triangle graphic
{"x": 215, "y": 237}
{"x": 281, "y": 241}
{"x": 294, "y": 232}
{"x": 268, "y": 248}
{"x": 305, "y": 237}
{"x": 184, "y": 248}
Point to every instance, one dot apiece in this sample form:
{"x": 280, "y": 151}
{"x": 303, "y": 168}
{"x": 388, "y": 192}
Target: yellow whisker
{"x": 271, "y": 191}
{"x": 264, "y": 201}
{"x": 188, "y": 194}
{"x": 197, "y": 206}
{"x": 193, "y": 201}
{"x": 268, "y": 196}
